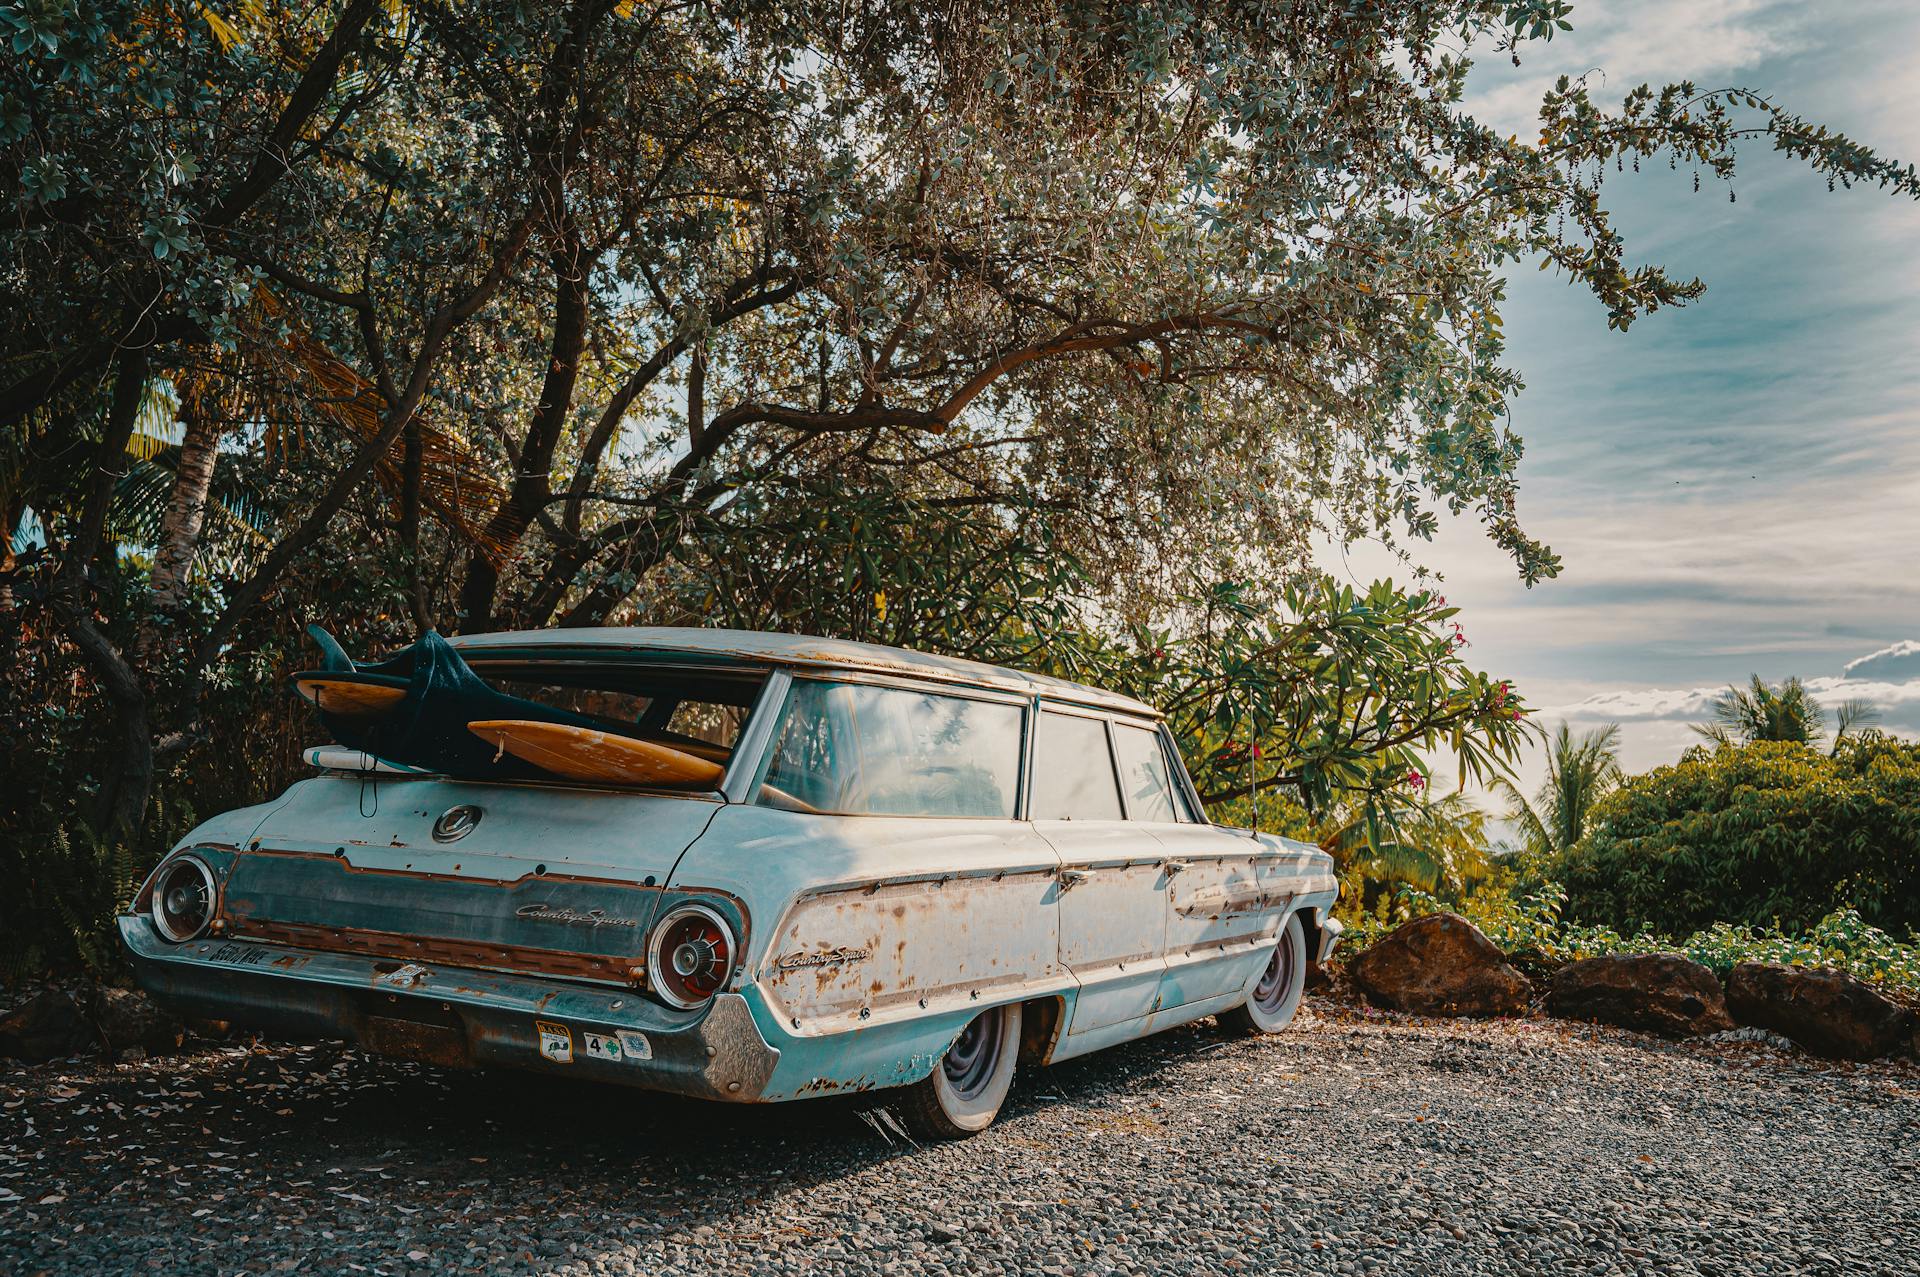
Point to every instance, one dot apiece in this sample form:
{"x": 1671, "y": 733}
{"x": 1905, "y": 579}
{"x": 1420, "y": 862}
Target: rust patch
{"x": 438, "y": 1044}
{"x": 427, "y": 876}
{"x": 828, "y": 1086}
{"x": 460, "y": 953}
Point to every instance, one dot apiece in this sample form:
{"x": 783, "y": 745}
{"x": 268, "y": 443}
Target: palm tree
{"x": 1761, "y": 712}
{"x": 1580, "y": 771}
{"x": 1436, "y": 844}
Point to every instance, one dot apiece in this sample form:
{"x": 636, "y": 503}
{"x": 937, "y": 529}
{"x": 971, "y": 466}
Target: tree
{"x": 1333, "y": 698}
{"x": 159, "y": 194}
{"x": 1766, "y": 834}
{"x": 1581, "y": 770}
{"x": 521, "y": 309}
{"x": 1762, "y": 712}
{"x": 1441, "y": 847}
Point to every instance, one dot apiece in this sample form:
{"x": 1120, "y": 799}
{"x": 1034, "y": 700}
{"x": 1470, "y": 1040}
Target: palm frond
{"x": 457, "y": 487}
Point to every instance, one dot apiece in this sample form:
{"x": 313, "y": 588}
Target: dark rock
{"x": 57, "y": 1023}
{"x": 127, "y": 1020}
{"x": 1655, "y": 992}
{"x": 1830, "y": 1013}
{"x": 1320, "y": 977}
{"x": 1440, "y": 965}
{"x": 50, "y": 1025}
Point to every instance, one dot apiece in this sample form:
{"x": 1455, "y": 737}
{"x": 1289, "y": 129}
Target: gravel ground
{"x": 1356, "y": 1143}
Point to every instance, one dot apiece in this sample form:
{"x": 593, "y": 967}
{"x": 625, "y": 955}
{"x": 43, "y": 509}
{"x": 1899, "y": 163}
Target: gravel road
{"x": 1356, "y": 1143}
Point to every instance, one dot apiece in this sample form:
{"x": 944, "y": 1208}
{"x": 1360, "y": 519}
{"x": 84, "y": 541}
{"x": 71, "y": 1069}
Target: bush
{"x": 1771, "y": 835}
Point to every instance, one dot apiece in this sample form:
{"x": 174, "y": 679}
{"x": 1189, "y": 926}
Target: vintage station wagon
{"x": 736, "y": 865}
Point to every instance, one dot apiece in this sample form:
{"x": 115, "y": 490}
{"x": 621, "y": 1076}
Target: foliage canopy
{"x": 398, "y": 315}
{"x": 1767, "y": 834}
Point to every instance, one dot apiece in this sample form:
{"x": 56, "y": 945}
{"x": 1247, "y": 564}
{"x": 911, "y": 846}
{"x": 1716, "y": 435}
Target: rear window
{"x": 857, "y": 749}
{"x": 580, "y": 722}
{"x": 698, "y": 711}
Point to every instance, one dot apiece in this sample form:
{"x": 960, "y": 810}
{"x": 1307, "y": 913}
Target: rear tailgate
{"x": 548, "y": 880}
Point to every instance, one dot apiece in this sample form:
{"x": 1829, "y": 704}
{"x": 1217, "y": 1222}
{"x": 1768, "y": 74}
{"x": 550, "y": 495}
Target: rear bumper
{"x": 456, "y": 1016}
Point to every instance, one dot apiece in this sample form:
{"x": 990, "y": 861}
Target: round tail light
{"x": 691, "y": 956}
{"x": 183, "y": 894}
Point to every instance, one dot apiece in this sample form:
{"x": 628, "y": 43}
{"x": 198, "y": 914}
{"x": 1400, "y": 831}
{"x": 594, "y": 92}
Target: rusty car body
{"x": 902, "y": 847}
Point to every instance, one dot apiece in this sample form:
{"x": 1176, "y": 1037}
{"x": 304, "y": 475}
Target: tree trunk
{"x": 124, "y": 791}
{"x": 412, "y": 475}
{"x": 532, "y": 482}
{"x": 186, "y": 508}
{"x": 179, "y": 531}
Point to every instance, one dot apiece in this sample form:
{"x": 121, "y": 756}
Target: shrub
{"x": 1770, "y": 835}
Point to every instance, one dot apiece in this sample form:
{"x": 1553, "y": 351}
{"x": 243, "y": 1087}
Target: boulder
{"x": 1440, "y": 965}
{"x": 56, "y": 1023}
{"x": 1830, "y": 1013}
{"x": 128, "y": 1020}
{"x": 1654, "y": 992}
{"x": 50, "y": 1025}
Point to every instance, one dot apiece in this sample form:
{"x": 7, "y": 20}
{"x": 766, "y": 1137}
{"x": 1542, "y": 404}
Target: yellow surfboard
{"x": 581, "y": 753}
{"x": 349, "y": 696}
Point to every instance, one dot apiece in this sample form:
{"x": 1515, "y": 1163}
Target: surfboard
{"x": 347, "y": 694}
{"x": 606, "y": 758}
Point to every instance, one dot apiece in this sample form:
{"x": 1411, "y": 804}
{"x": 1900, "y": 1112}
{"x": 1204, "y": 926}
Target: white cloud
{"x": 1630, "y": 43}
{"x": 1891, "y": 685}
{"x": 1895, "y": 663}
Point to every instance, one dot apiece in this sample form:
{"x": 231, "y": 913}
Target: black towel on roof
{"x": 428, "y": 727}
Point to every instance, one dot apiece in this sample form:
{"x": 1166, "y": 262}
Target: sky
{"x": 1734, "y": 486}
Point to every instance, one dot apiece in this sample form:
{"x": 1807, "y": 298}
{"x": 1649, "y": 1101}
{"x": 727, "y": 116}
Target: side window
{"x": 1143, "y": 773}
{"x": 1073, "y": 770}
{"x": 886, "y": 751}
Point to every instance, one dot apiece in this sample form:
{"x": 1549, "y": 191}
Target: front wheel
{"x": 966, "y": 1089}
{"x": 1275, "y": 998}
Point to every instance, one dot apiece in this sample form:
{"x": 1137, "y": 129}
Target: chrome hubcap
{"x": 1276, "y": 980}
{"x": 972, "y": 1059}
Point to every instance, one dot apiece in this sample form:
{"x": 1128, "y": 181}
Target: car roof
{"x": 804, "y": 650}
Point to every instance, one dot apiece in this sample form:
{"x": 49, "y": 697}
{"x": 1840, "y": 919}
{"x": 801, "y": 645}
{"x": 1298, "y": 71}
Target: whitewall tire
{"x": 1275, "y": 995}
{"x": 963, "y": 1094}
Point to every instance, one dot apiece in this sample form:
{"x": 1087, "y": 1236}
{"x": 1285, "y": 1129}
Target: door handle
{"x": 1071, "y": 878}
{"x": 1178, "y": 867}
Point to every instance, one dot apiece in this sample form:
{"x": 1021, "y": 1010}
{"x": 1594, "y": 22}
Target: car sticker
{"x": 635, "y": 1045}
{"x": 556, "y": 1042}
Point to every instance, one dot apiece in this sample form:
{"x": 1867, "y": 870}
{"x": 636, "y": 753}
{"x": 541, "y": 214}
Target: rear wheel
{"x": 964, "y": 1092}
{"x": 1270, "y": 1007}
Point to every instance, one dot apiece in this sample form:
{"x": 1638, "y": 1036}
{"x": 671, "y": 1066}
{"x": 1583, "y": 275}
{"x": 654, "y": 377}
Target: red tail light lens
{"x": 691, "y": 956}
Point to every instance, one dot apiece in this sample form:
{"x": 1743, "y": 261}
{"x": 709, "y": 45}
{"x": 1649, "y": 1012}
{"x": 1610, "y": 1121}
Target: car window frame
{"x": 767, "y": 746}
{"x": 1186, "y": 791}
